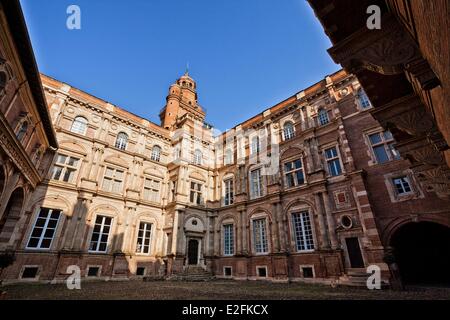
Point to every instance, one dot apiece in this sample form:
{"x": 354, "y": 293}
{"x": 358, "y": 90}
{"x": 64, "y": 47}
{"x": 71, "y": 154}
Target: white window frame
{"x": 294, "y": 173}
{"x": 101, "y": 233}
{"x": 121, "y": 141}
{"x": 228, "y": 239}
{"x": 300, "y": 232}
{"x": 150, "y": 192}
{"x": 228, "y": 189}
{"x": 288, "y": 134}
{"x": 263, "y": 236}
{"x": 322, "y": 117}
{"x": 197, "y": 157}
{"x": 255, "y": 145}
{"x": 143, "y": 238}
{"x": 79, "y": 125}
{"x": 404, "y": 192}
{"x": 65, "y": 167}
{"x": 198, "y": 194}
{"x": 333, "y": 159}
{"x": 113, "y": 179}
{"x": 363, "y": 99}
{"x": 44, "y": 229}
{"x": 259, "y": 191}
{"x": 156, "y": 153}
{"x": 387, "y": 144}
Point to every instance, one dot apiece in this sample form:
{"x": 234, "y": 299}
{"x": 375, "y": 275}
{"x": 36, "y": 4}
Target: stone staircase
{"x": 356, "y": 278}
{"x": 192, "y": 274}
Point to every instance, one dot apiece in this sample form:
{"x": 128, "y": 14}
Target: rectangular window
{"x": 228, "y": 239}
{"x": 151, "y": 190}
{"x": 383, "y": 147}
{"x": 44, "y": 229}
{"x": 65, "y": 168}
{"x": 255, "y": 146}
{"x": 30, "y": 272}
{"x": 196, "y": 193}
{"x": 333, "y": 162}
{"x": 256, "y": 184}
{"x": 93, "y": 272}
{"x": 227, "y": 271}
{"x": 144, "y": 238}
{"x": 260, "y": 236}
{"x": 113, "y": 179}
{"x": 229, "y": 192}
{"x": 293, "y": 173}
{"x": 100, "y": 234}
{"x": 402, "y": 185}
{"x": 302, "y": 231}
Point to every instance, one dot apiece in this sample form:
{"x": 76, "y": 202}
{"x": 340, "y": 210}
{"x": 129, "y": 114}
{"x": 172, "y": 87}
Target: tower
{"x": 182, "y": 99}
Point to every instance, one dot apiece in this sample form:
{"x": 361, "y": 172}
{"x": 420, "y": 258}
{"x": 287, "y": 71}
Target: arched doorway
{"x": 11, "y": 215}
{"x": 422, "y": 252}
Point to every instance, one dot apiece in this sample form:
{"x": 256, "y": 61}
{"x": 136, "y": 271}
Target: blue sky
{"x": 246, "y": 55}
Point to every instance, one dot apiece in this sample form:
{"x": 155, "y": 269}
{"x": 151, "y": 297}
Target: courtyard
{"x": 213, "y": 290}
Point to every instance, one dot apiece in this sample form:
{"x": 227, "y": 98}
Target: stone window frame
{"x": 38, "y": 273}
{"x": 293, "y": 159}
{"x": 416, "y": 191}
{"x": 99, "y": 272}
{"x": 197, "y": 157}
{"x": 357, "y": 94}
{"x": 122, "y": 141}
{"x": 86, "y": 125}
{"x": 292, "y": 133}
{"x": 197, "y": 192}
{"x": 301, "y": 266}
{"x": 268, "y": 235}
{"x": 144, "y": 273}
{"x": 156, "y": 153}
{"x": 344, "y": 205}
{"x": 257, "y": 267}
{"x": 262, "y": 187}
{"x": 228, "y": 157}
{"x": 293, "y": 237}
{"x": 23, "y": 117}
{"x": 115, "y": 168}
{"x": 231, "y": 271}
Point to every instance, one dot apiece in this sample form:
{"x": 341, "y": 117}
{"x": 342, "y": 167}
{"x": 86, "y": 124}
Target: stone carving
{"x": 415, "y": 123}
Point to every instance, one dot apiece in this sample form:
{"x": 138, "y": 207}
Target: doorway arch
{"x": 11, "y": 214}
{"x": 422, "y": 252}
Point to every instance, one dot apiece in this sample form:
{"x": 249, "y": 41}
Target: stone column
{"x": 75, "y": 237}
{"x": 330, "y": 220}
{"x": 174, "y": 241}
{"x": 276, "y": 227}
{"x": 216, "y": 237}
{"x": 238, "y": 231}
{"x": 324, "y": 241}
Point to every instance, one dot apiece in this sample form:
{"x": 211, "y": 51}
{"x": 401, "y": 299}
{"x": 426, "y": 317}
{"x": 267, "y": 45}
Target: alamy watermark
{"x": 374, "y": 20}
{"x": 374, "y": 280}
{"x": 74, "y": 19}
{"x": 74, "y": 280}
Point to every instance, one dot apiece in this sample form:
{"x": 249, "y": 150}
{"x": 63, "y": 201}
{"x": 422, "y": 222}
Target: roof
{"x": 19, "y": 32}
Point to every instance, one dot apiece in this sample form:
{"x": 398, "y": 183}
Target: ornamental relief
{"x": 415, "y": 123}
{"x": 427, "y": 155}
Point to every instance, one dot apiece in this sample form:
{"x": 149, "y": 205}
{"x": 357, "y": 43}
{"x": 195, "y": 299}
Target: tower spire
{"x": 187, "y": 69}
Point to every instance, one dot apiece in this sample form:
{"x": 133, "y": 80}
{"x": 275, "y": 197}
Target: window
{"x": 383, "y": 147}
{"x": 156, "y": 153}
{"x": 260, "y": 236}
{"x": 122, "y": 141}
{"x": 288, "y": 131}
{"x": 255, "y": 145}
{"x": 323, "y": 117}
{"x": 21, "y": 133}
{"x": 65, "y": 168}
{"x": 402, "y": 185}
{"x": 228, "y": 239}
{"x": 364, "y": 101}
{"x": 307, "y": 272}
{"x": 333, "y": 162}
{"x": 140, "y": 271}
{"x": 261, "y": 272}
{"x": 44, "y": 229}
{"x": 302, "y": 231}
{"x": 112, "y": 181}
{"x": 196, "y": 193}
{"x": 197, "y": 157}
{"x": 100, "y": 234}
{"x": 30, "y": 273}
{"x": 144, "y": 238}
{"x": 79, "y": 125}
{"x": 229, "y": 191}
{"x": 256, "y": 184}
{"x": 151, "y": 190}
{"x": 176, "y": 153}
{"x": 93, "y": 272}
{"x": 293, "y": 173}
{"x": 227, "y": 271}
{"x": 228, "y": 159}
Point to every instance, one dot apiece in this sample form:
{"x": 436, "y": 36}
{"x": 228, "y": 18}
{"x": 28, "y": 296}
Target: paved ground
{"x": 252, "y": 290}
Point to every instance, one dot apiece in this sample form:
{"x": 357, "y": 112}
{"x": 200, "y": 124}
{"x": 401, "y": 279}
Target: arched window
{"x": 323, "y": 117}
{"x": 156, "y": 153}
{"x": 122, "y": 141}
{"x": 197, "y": 157}
{"x": 22, "y": 131}
{"x": 228, "y": 159}
{"x": 288, "y": 130}
{"x": 79, "y": 125}
{"x": 364, "y": 101}
{"x": 255, "y": 147}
